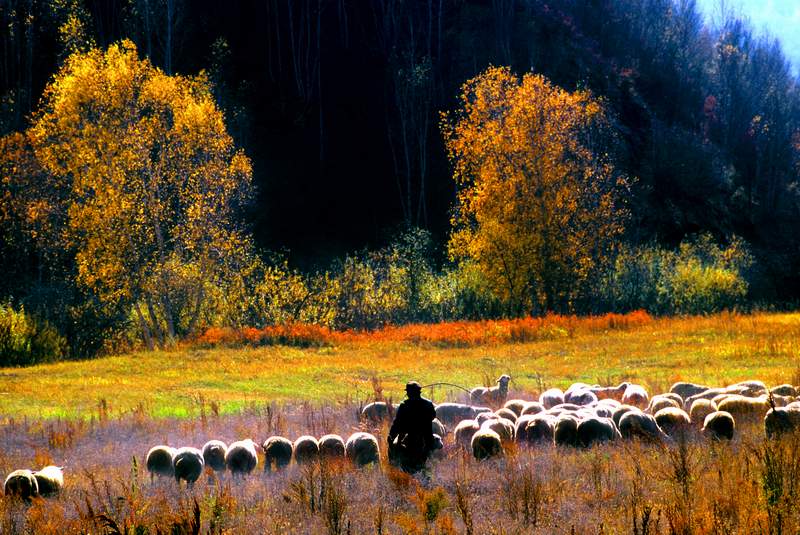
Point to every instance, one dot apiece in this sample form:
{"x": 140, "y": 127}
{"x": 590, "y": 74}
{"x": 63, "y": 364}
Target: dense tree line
{"x": 338, "y": 105}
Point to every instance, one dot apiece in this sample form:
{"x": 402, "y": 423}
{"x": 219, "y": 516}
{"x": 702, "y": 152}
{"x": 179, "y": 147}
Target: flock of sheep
{"x": 580, "y": 416}
{"x": 587, "y": 414}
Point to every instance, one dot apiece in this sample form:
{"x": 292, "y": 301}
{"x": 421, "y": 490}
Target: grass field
{"x": 98, "y": 419}
{"x": 718, "y": 349}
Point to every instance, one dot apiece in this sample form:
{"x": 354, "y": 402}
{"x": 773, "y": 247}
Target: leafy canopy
{"x": 538, "y": 203}
{"x": 154, "y": 184}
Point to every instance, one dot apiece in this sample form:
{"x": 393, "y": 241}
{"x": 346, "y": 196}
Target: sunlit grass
{"x": 717, "y": 349}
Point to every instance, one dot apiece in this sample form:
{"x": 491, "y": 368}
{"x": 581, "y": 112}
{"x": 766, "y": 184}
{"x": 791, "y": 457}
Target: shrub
{"x": 26, "y": 340}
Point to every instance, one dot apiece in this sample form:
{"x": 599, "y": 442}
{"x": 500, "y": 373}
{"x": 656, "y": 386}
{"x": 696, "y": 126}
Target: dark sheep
{"x": 362, "y": 449}
{"x": 50, "y": 480}
{"x": 719, "y": 425}
{"x": 636, "y": 424}
{"x": 486, "y": 444}
{"x": 277, "y": 453}
{"x": 241, "y": 457}
{"x": 565, "y": 432}
{"x": 188, "y": 464}
{"x": 21, "y": 484}
{"x": 214, "y": 455}
{"x": 673, "y": 420}
{"x": 331, "y": 447}
{"x": 306, "y": 450}
{"x": 593, "y": 430}
{"x": 159, "y": 461}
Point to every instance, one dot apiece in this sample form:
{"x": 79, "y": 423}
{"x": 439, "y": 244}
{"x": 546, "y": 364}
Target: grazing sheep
{"x": 719, "y": 425}
{"x": 508, "y": 414}
{"x": 377, "y": 411}
{"x": 464, "y": 431}
{"x": 687, "y": 390}
{"x": 603, "y": 411}
{"x": 620, "y": 411}
{"x": 214, "y": 454}
{"x": 188, "y": 464}
{"x": 581, "y": 396}
{"x": 711, "y": 393}
{"x": 50, "y": 480}
{"x": 700, "y": 409}
{"x": 22, "y": 484}
{"x": 610, "y": 392}
{"x": 277, "y": 453}
{"x": 532, "y": 407}
{"x": 744, "y": 408}
{"x": 485, "y": 417}
{"x": 675, "y": 397}
{"x": 593, "y": 430}
{"x": 520, "y": 425}
{"x": 485, "y": 444}
{"x": 673, "y": 420}
{"x": 241, "y": 457}
{"x": 749, "y": 389}
{"x": 362, "y": 449}
{"x": 331, "y": 447}
{"x": 661, "y": 402}
{"x": 784, "y": 390}
{"x": 569, "y": 407}
{"x": 438, "y": 428}
{"x": 635, "y": 395}
{"x": 565, "y": 431}
{"x": 504, "y": 428}
{"x": 781, "y": 420}
{"x": 540, "y": 429}
{"x": 552, "y": 397}
{"x": 516, "y": 405}
{"x": 610, "y": 403}
{"x": 159, "y": 461}
{"x": 306, "y": 450}
{"x": 495, "y": 395}
{"x": 636, "y": 424}
{"x": 450, "y": 413}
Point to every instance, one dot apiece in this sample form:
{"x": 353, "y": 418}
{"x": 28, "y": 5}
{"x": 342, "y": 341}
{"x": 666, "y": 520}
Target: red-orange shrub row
{"x": 446, "y": 334}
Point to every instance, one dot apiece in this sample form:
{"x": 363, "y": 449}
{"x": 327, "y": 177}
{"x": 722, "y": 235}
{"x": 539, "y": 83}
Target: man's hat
{"x": 413, "y": 386}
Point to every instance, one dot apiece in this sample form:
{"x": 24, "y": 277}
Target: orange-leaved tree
{"x": 540, "y": 204}
{"x": 154, "y": 182}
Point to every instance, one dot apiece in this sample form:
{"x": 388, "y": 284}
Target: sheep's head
{"x": 503, "y": 380}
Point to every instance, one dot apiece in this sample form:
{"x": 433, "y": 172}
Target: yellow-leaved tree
{"x": 154, "y": 184}
{"x": 539, "y": 203}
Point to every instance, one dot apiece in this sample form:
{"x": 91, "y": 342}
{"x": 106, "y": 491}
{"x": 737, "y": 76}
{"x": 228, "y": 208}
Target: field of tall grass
{"x": 99, "y": 417}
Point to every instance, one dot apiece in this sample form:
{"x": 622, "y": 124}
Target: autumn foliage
{"x": 539, "y": 202}
{"x": 444, "y": 334}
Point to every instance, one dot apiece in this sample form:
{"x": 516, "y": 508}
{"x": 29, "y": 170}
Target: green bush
{"x": 699, "y": 277}
{"x": 25, "y": 340}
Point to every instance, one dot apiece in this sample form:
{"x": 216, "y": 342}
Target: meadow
{"x": 99, "y": 417}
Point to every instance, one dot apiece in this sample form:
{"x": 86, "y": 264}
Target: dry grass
{"x": 98, "y": 418}
{"x": 186, "y": 382}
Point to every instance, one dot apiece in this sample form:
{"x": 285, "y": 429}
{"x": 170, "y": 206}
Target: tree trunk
{"x": 148, "y": 338}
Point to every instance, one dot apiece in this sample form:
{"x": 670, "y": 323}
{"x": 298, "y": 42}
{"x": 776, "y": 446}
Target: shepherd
{"x": 410, "y": 437}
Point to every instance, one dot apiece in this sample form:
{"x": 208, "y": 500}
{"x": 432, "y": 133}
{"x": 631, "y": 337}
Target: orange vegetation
{"x": 446, "y": 334}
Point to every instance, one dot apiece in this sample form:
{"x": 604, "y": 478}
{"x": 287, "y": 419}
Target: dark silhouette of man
{"x": 410, "y": 437}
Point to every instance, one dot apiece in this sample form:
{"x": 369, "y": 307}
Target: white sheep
{"x": 508, "y": 414}
{"x": 331, "y": 447}
{"x": 362, "y": 449}
{"x": 214, "y": 454}
{"x": 187, "y": 464}
{"x": 377, "y": 411}
{"x": 719, "y": 425}
{"x": 50, "y": 480}
{"x": 701, "y": 408}
{"x": 503, "y": 427}
{"x": 565, "y": 431}
{"x": 662, "y": 401}
{"x": 306, "y": 449}
{"x": 781, "y": 420}
{"x": 277, "y": 453}
{"x": 673, "y": 420}
{"x": 485, "y": 444}
{"x": 532, "y": 407}
{"x": 241, "y": 457}
{"x": 749, "y": 389}
{"x": 595, "y": 429}
{"x": 580, "y": 396}
{"x": 159, "y": 461}
{"x": 438, "y": 428}
{"x": 493, "y": 396}
{"x": 485, "y": 417}
{"x": 21, "y": 484}
{"x": 464, "y": 431}
{"x": 687, "y": 390}
{"x": 516, "y": 405}
{"x": 744, "y": 408}
{"x": 635, "y": 395}
{"x": 784, "y": 390}
{"x": 636, "y": 424}
{"x": 551, "y": 397}
{"x": 450, "y": 413}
